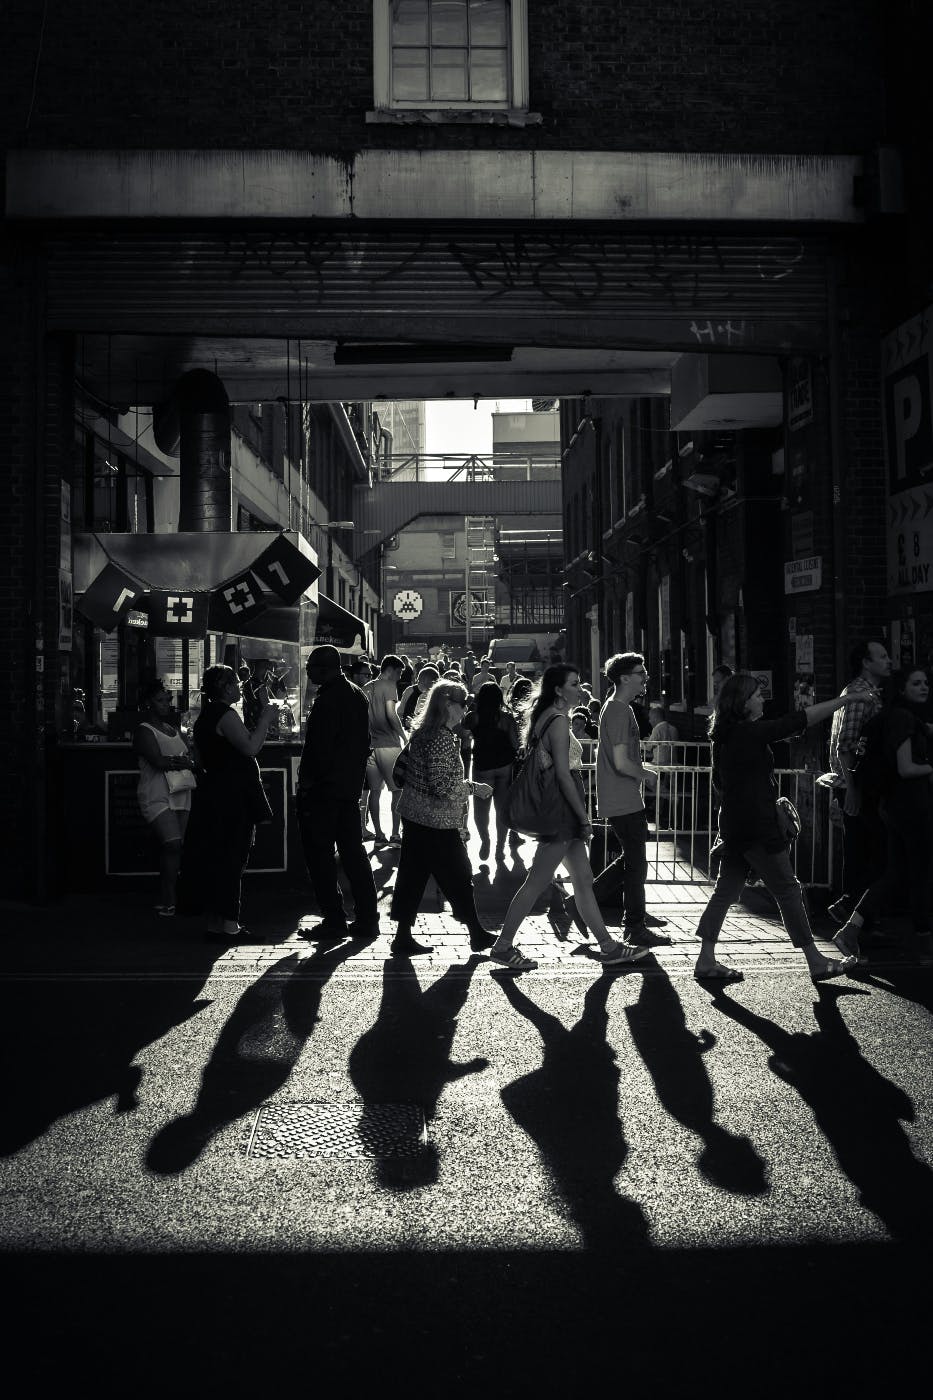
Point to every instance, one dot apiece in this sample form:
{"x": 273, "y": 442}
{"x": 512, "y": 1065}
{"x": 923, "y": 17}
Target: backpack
{"x": 873, "y": 772}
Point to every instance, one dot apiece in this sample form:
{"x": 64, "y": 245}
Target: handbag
{"x": 400, "y": 768}
{"x": 179, "y": 779}
{"x": 535, "y": 804}
{"x": 788, "y": 819}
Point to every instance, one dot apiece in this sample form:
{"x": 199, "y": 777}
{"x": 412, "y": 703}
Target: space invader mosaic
{"x": 310, "y": 1129}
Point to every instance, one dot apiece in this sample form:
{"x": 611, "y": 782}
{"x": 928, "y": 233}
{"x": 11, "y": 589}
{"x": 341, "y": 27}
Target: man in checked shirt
{"x": 863, "y": 832}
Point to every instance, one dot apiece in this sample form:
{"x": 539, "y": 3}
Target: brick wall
{"x": 698, "y": 75}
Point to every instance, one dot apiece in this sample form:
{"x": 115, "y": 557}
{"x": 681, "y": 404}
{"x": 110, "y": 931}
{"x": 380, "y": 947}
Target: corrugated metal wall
{"x": 549, "y": 285}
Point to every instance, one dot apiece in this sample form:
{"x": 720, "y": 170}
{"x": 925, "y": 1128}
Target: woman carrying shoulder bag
{"x": 165, "y": 786}
{"x": 548, "y": 735}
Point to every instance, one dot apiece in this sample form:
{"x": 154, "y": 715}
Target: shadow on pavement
{"x": 673, "y": 1056}
{"x": 254, "y": 1055}
{"x": 857, "y": 1109}
{"x": 75, "y": 1044}
{"x": 569, "y": 1107}
{"x": 405, "y": 1055}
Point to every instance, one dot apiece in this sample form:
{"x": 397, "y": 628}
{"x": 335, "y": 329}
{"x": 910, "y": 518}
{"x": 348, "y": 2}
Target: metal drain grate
{"x": 308, "y": 1129}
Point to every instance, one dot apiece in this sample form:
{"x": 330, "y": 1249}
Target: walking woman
{"x": 907, "y": 811}
{"x": 165, "y": 786}
{"x": 230, "y": 798}
{"x": 433, "y": 811}
{"x": 549, "y": 730}
{"x": 749, "y": 830}
{"x": 495, "y": 744}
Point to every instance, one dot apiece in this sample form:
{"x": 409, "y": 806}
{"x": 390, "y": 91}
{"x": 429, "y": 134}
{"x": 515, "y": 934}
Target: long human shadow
{"x": 856, "y": 1108}
{"x": 253, "y": 1057}
{"x": 673, "y": 1056}
{"x": 569, "y": 1107}
{"x": 405, "y": 1056}
{"x": 75, "y": 1044}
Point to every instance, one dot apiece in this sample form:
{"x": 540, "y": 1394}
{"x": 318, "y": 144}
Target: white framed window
{"x": 450, "y": 55}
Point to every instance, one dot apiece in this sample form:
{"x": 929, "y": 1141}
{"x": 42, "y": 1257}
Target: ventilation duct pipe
{"x": 204, "y": 434}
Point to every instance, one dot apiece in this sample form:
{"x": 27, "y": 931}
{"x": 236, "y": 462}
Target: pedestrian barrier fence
{"x": 682, "y": 818}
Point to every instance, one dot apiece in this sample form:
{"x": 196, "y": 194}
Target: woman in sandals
{"x": 749, "y": 832}
{"x": 433, "y": 810}
{"x": 495, "y": 744}
{"x": 165, "y": 785}
{"x": 549, "y": 732}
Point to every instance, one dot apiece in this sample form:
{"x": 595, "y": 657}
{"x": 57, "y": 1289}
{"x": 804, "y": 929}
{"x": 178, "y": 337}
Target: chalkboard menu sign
{"x": 129, "y": 846}
{"x": 131, "y": 849}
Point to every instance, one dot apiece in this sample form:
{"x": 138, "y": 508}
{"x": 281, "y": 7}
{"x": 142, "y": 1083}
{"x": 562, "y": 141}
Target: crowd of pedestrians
{"x": 445, "y": 740}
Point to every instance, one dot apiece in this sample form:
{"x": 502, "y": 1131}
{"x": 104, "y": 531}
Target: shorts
{"x": 152, "y": 805}
{"x": 383, "y": 760}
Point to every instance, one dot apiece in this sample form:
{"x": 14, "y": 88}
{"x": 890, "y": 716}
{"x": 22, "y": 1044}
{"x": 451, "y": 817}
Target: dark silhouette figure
{"x": 569, "y": 1107}
{"x": 77, "y": 1049}
{"x": 673, "y": 1056}
{"x": 405, "y": 1055}
{"x": 255, "y": 1053}
{"x": 857, "y": 1109}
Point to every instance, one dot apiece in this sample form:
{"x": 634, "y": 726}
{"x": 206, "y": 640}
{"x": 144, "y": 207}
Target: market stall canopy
{"x": 340, "y": 628}
{"x": 249, "y": 584}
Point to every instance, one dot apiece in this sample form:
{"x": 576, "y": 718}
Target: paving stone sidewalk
{"x": 122, "y": 936}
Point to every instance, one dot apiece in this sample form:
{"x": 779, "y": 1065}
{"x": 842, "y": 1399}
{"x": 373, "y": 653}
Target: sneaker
{"x": 622, "y": 953}
{"x": 642, "y": 937}
{"x": 840, "y": 911}
{"x": 652, "y": 921}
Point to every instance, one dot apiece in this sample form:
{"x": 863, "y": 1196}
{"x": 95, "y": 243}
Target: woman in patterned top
{"x": 433, "y": 811}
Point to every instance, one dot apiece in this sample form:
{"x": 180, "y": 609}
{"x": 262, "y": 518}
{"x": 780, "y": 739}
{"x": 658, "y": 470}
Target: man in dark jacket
{"x": 330, "y": 777}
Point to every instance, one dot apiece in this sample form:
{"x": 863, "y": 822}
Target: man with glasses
{"x": 620, "y": 801}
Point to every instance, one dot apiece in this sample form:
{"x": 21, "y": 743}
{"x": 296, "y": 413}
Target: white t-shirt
{"x": 617, "y": 795}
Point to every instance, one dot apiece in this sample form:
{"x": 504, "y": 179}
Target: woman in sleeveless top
{"x": 230, "y": 799}
{"x": 549, "y": 728}
{"x": 165, "y": 785}
{"x": 495, "y": 744}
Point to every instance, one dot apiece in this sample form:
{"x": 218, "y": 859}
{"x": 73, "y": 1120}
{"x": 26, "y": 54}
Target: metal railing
{"x": 449, "y": 466}
{"x": 682, "y": 814}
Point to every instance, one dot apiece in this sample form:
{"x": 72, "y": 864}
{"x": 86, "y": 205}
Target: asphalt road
{"x": 621, "y": 1178}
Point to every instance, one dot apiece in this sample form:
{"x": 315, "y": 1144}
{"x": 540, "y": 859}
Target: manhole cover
{"x": 305, "y": 1129}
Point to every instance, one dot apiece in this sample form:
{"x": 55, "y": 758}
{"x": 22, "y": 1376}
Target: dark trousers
{"x": 228, "y": 844}
{"x": 908, "y": 868}
{"x": 427, "y": 851}
{"x": 328, "y": 824}
{"x": 626, "y": 875}
{"x": 865, "y": 844}
{"x": 776, "y": 871}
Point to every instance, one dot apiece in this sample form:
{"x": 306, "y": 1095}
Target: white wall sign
{"x": 407, "y": 604}
{"x": 803, "y": 575}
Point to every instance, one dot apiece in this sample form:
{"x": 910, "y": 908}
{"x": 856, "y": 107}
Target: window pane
{"x": 410, "y": 75}
{"x": 488, "y": 22}
{"x": 449, "y": 75}
{"x": 410, "y": 22}
{"x": 489, "y": 76}
{"x": 448, "y": 22}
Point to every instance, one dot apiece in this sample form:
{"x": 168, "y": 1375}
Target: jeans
{"x": 628, "y": 872}
{"x": 426, "y": 851}
{"x": 325, "y": 823}
{"x": 776, "y": 871}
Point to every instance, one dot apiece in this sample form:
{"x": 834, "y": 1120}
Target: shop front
{"x": 170, "y": 605}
